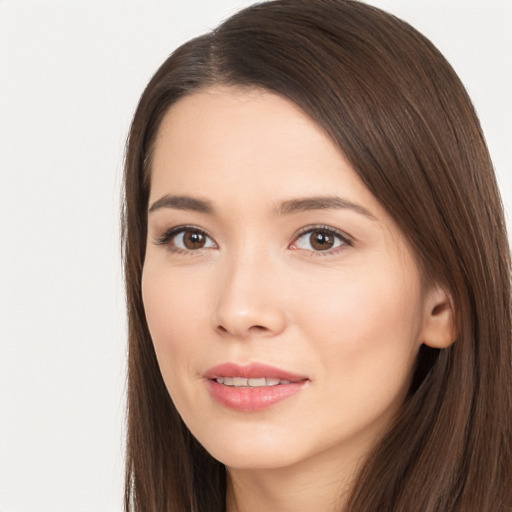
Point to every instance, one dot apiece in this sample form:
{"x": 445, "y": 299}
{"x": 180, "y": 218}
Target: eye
{"x": 321, "y": 239}
{"x": 185, "y": 239}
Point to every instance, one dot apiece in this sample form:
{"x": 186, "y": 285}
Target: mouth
{"x": 253, "y": 387}
{"x": 242, "y": 382}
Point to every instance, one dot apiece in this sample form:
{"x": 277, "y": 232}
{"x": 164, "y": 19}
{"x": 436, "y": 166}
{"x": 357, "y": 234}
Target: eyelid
{"x": 346, "y": 239}
{"x": 169, "y": 234}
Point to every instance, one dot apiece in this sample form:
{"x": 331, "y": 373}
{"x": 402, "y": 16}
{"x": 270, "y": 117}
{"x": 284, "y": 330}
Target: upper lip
{"x": 252, "y": 371}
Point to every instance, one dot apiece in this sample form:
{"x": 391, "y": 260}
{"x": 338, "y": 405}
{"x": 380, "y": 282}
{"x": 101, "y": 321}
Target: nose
{"x": 249, "y": 303}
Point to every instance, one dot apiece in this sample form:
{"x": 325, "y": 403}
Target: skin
{"x": 351, "y": 318}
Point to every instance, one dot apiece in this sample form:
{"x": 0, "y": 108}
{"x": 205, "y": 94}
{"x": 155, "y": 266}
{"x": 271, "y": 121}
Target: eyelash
{"x": 346, "y": 241}
{"x": 167, "y": 237}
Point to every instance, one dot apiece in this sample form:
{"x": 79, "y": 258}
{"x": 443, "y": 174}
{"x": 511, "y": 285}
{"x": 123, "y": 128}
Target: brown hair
{"x": 394, "y": 106}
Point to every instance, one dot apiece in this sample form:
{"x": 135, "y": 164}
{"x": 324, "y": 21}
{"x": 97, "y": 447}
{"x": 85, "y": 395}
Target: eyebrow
{"x": 182, "y": 203}
{"x": 322, "y": 203}
{"x": 290, "y": 207}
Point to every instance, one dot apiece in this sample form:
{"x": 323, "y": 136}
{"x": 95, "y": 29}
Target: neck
{"x": 311, "y": 485}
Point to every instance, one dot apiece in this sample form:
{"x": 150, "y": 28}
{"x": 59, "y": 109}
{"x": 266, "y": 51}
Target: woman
{"x": 318, "y": 274}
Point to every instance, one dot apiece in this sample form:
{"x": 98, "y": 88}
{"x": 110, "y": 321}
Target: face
{"x": 284, "y": 304}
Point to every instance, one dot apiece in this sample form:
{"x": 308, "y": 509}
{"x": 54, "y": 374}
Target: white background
{"x": 71, "y": 73}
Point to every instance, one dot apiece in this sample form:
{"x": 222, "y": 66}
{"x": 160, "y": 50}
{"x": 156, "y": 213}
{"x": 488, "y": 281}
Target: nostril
{"x": 257, "y": 328}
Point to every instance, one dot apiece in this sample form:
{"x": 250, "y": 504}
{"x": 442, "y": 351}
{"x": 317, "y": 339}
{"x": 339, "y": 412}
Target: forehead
{"x": 249, "y": 141}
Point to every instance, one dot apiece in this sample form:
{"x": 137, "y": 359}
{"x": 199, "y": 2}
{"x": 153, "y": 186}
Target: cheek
{"x": 369, "y": 305}
{"x": 367, "y": 332}
{"x": 173, "y": 312}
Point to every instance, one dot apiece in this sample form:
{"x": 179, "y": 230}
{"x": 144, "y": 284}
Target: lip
{"x": 251, "y": 371}
{"x": 248, "y": 399}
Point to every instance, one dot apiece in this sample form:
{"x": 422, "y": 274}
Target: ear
{"x": 439, "y": 330}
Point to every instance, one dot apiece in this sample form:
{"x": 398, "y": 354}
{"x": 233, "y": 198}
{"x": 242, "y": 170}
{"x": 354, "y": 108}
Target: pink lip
{"x": 248, "y": 399}
{"x": 251, "y": 371}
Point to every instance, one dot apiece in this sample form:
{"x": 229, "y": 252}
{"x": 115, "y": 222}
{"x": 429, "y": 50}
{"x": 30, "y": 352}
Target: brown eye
{"x": 321, "y": 240}
{"x": 194, "y": 240}
{"x": 183, "y": 239}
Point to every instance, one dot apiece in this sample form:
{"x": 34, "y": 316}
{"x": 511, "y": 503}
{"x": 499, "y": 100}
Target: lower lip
{"x": 249, "y": 399}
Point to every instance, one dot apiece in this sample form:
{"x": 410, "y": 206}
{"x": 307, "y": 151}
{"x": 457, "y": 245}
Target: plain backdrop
{"x": 71, "y": 73}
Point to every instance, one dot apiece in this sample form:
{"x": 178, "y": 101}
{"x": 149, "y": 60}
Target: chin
{"x": 254, "y": 458}
{"x": 246, "y": 451}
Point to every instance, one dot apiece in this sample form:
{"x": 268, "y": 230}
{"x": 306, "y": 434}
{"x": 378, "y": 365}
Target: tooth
{"x": 256, "y": 383}
{"x": 242, "y": 382}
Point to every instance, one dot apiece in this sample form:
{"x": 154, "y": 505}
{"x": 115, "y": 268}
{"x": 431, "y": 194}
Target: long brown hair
{"x": 398, "y": 112}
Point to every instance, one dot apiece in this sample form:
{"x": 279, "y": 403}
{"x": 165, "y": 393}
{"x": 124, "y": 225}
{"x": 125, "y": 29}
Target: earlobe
{"x": 439, "y": 330}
